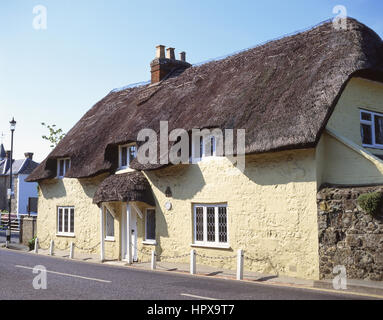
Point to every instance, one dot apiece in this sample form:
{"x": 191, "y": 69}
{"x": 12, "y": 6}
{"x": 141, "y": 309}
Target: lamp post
{"x": 13, "y": 127}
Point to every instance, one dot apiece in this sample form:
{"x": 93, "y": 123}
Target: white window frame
{"x": 120, "y": 166}
{"x": 63, "y": 233}
{"x": 146, "y": 240}
{"x": 372, "y": 124}
{"x": 203, "y": 154}
{"x": 108, "y": 238}
{"x": 206, "y": 243}
{"x": 64, "y": 169}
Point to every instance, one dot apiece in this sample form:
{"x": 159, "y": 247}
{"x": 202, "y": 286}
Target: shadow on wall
{"x": 281, "y": 167}
{"x": 89, "y": 186}
{"x": 178, "y": 178}
{"x": 53, "y": 188}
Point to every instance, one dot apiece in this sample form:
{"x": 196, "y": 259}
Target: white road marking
{"x": 66, "y": 274}
{"x": 197, "y": 297}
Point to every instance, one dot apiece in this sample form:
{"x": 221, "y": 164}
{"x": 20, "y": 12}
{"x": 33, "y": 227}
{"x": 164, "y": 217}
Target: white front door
{"x": 124, "y": 234}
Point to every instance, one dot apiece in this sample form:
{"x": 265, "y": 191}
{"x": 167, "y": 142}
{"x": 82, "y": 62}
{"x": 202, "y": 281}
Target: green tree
{"x": 55, "y": 134}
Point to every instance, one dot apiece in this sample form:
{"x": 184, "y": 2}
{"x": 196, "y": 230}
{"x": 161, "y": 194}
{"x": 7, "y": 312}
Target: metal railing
{"x": 15, "y": 222}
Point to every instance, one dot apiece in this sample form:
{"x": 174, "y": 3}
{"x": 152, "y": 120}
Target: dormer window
{"x": 127, "y": 154}
{"x": 63, "y": 166}
{"x": 207, "y": 147}
{"x": 371, "y": 128}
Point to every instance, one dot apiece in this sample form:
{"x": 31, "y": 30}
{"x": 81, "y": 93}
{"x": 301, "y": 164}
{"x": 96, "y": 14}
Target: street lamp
{"x": 13, "y": 127}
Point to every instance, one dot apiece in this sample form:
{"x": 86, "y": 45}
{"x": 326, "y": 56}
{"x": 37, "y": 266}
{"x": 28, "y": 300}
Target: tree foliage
{"x": 55, "y": 134}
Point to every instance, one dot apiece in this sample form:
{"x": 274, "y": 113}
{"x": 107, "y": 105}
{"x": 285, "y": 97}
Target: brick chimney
{"x": 8, "y": 154}
{"x": 28, "y": 155}
{"x": 163, "y": 67}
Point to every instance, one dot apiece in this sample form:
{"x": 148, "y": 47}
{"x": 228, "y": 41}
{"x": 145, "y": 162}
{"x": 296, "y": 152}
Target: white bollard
{"x": 240, "y": 257}
{"x": 37, "y": 245}
{"x": 153, "y": 260}
{"x": 71, "y": 252}
{"x": 192, "y": 262}
{"x": 51, "y": 248}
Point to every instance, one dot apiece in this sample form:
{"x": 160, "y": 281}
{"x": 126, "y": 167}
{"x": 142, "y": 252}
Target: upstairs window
{"x": 63, "y": 166}
{"x": 127, "y": 154}
{"x": 371, "y": 129}
{"x": 205, "y": 147}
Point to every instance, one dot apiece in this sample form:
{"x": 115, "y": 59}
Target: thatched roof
{"x": 132, "y": 186}
{"x": 282, "y": 93}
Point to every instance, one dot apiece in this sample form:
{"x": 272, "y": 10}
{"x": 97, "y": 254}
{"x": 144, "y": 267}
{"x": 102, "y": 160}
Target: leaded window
{"x": 150, "y": 225}
{"x": 210, "y": 225}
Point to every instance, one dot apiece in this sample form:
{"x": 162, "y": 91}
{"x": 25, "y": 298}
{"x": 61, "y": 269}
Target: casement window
{"x": 150, "y": 226}
{"x": 109, "y": 225}
{"x": 127, "y": 154}
{"x": 204, "y": 147}
{"x": 63, "y": 166}
{"x": 65, "y": 221}
{"x": 211, "y": 225}
{"x": 371, "y": 129}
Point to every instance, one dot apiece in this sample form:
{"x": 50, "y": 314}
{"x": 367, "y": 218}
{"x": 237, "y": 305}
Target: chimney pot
{"x": 160, "y": 52}
{"x": 183, "y": 56}
{"x": 170, "y": 54}
{"x": 28, "y": 155}
{"x": 162, "y": 67}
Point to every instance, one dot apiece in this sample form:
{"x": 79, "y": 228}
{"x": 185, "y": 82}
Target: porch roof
{"x": 132, "y": 186}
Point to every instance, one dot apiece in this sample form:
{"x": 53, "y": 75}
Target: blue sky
{"x": 93, "y": 46}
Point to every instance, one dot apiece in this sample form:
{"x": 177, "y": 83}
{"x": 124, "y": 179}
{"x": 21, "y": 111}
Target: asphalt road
{"x": 68, "y": 279}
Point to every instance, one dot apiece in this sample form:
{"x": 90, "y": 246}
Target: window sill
{"x": 124, "y": 170}
{"x": 211, "y": 246}
{"x": 150, "y": 242}
{"x": 110, "y": 239}
{"x": 65, "y": 235}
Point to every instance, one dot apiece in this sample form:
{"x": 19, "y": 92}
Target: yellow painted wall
{"x": 272, "y": 212}
{"x": 339, "y": 163}
{"x": 78, "y": 193}
{"x": 358, "y": 94}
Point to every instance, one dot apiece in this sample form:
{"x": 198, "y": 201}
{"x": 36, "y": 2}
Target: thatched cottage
{"x": 312, "y": 108}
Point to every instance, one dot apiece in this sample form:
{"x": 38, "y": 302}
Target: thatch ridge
{"x": 282, "y": 93}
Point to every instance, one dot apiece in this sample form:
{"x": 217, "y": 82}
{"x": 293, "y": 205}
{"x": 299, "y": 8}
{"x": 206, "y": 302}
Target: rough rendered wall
{"x": 339, "y": 164}
{"x": 348, "y": 236}
{"x": 358, "y": 94}
{"x": 78, "y": 193}
{"x": 272, "y": 212}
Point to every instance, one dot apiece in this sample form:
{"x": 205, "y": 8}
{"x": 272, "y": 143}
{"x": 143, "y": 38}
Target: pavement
{"x": 169, "y": 281}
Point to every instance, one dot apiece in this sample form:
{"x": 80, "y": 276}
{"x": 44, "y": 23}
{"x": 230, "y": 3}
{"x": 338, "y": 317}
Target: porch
{"x": 126, "y": 204}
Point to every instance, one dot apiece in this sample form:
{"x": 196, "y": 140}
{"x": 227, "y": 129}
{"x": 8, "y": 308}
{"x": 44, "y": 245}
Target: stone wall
{"x": 28, "y": 229}
{"x": 348, "y": 236}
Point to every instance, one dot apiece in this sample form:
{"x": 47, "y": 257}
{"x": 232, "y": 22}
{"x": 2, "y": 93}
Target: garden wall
{"x": 349, "y": 236}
